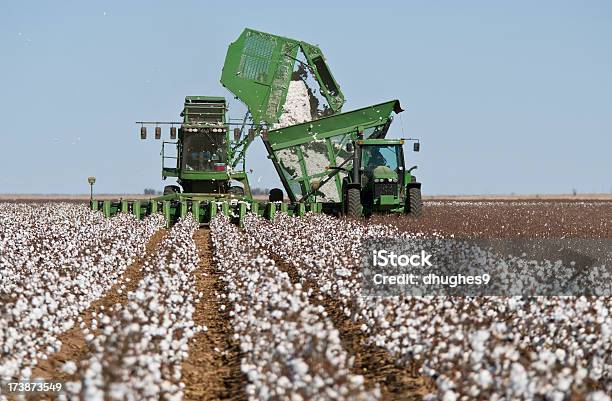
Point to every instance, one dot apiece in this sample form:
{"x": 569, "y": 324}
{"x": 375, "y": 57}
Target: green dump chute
{"x": 304, "y": 154}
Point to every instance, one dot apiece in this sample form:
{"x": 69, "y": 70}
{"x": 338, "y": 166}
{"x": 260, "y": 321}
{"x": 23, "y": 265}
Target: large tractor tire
{"x": 414, "y": 204}
{"x": 275, "y": 195}
{"x": 172, "y": 189}
{"x": 353, "y": 203}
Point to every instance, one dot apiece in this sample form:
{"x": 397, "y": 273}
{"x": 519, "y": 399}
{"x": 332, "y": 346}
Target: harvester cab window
{"x": 203, "y": 152}
{"x": 373, "y": 156}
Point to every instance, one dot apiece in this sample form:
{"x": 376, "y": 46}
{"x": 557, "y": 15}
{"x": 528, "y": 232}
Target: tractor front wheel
{"x": 172, "y": 189}
{"x": 414, "y": 204}
{"x": 353, "y": 204}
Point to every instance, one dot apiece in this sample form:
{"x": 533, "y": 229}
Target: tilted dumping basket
{"x": 259, "y": 67}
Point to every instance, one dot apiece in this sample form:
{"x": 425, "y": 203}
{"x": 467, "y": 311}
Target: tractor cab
{"x": 382, "y": 173}
{"x": 382, "y": 161}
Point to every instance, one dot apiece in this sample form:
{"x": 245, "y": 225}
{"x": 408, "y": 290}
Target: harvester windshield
{"x": 205, "y": 152}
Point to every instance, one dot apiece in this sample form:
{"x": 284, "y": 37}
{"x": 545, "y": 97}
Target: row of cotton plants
{"x": 487, "y": 348}
{"x": 138, "y": 347}
{"x": 55, "y": 260}
{"x": 290, "y": 348}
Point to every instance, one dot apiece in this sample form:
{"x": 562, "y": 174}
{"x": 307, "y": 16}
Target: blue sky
{"x": 506, "y": 97}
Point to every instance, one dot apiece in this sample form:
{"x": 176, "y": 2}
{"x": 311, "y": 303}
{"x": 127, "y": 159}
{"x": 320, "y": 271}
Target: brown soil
{"x": 506, "y": 219}
{"x": 374, "y": 363}
{"x": 212, "y": 369}
{"x": 523, "y": 197}
{"x": 74, "y": 348}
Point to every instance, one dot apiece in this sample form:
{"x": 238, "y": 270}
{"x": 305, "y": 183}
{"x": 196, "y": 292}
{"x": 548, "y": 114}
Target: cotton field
{"x": 120, "y": 309}
{"x": 480, "y": 348}
{"x": 138, "y": 347}
{"x": 54, "y": 262}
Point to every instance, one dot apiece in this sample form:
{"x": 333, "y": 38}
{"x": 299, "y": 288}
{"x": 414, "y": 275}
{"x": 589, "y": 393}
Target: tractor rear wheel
{"x": 353, "y": 204}
{"x": 414, "y": 204}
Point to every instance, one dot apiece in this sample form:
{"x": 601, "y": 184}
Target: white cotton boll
{"x": 69, "y": 368}
{"x": 598, "y": 396}
{"x": 449, "y": 395}
{"x": 299, "y": 366}
{"x": 478, "y": 340}
{"x": 284, "y": 382}
{"x": 73, "y": 387}
{"x": 518, "y": 378}
{"x": 556, "y": 396}
{"x": 26, "y": 372}
{"x": 252, "y": 375}
{"x": 581, "y": 374}
{"x": 357, "y": 380}
{"x": 296, "y": 397}
{"x": 67, "y": 325}
{"x": 560, "y": 354}
{"x": 484, "y": 379}
{"x": 564, "y": 384}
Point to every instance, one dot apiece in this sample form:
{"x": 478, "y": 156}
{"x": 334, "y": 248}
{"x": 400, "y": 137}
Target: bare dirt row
{"x": 212, "y": 369}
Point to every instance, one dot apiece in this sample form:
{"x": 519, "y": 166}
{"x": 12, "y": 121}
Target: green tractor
{"x": 346, "y": 163}
{"x": 378, "y": 181}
